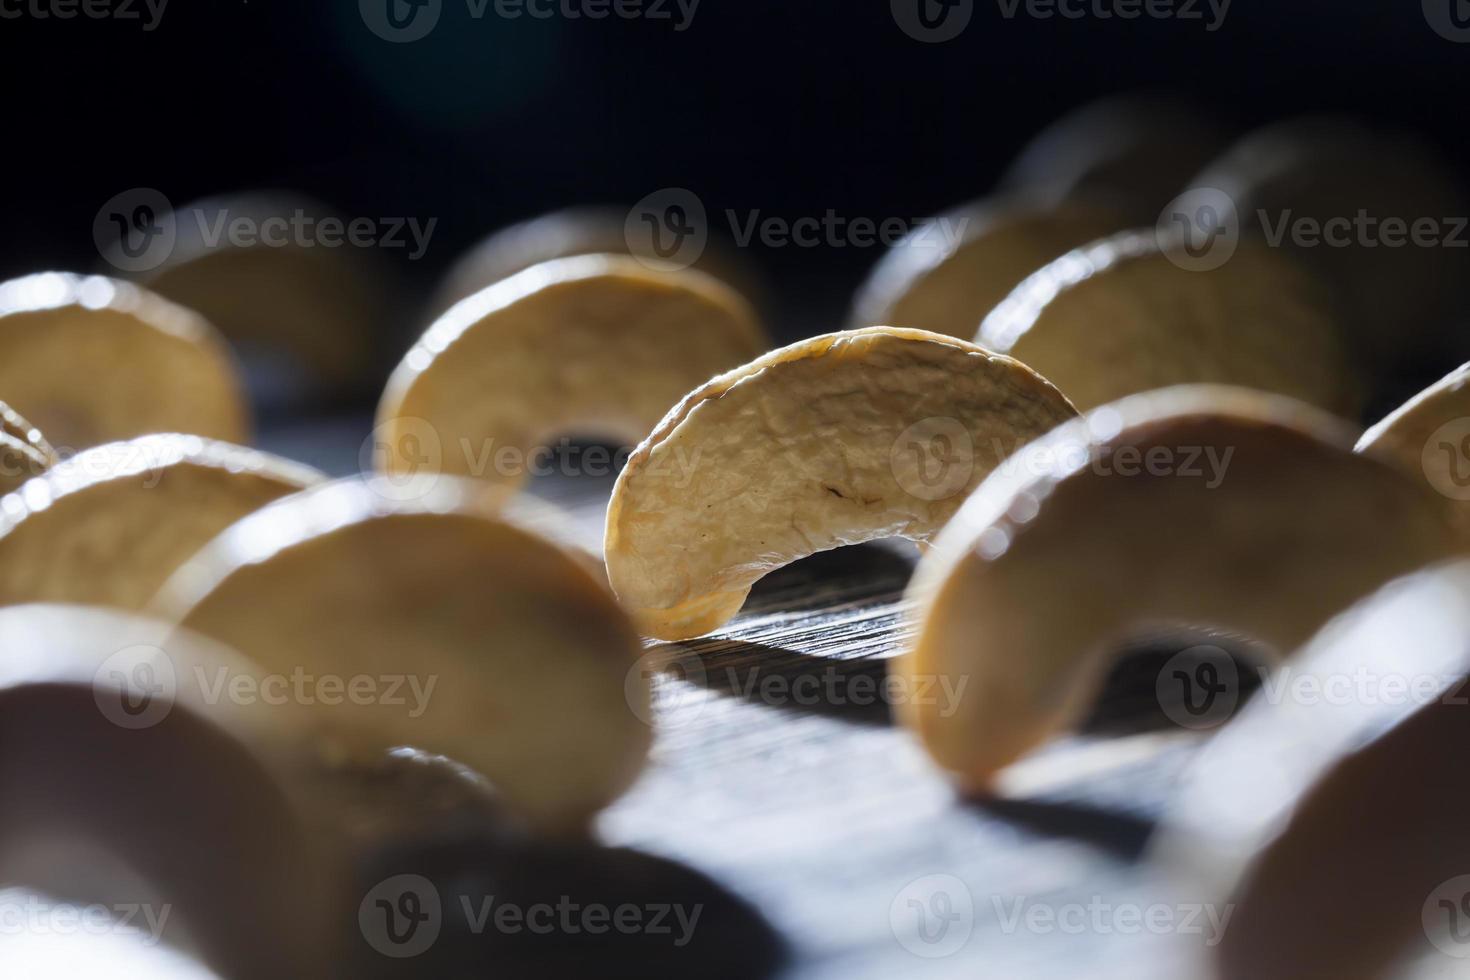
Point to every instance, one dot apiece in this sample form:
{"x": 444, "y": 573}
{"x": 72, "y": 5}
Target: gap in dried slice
{"x": 844, "y": 438}
{"x": 109, "y": 525}
{"x": 91, "y": 360}
{"x": 488, "y": 644}
{"x": 593, "y": 345}
{"x": 1199, "y": 506}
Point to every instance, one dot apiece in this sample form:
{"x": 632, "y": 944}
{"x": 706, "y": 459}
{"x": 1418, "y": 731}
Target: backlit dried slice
{"x": 490, "y": 645}
{"x": 281, "y": 292}
{"x": 595, "y": 345}
{"x": 1131, "y": 152}
{"x": 567, "y": 233}
{"x": 1429, "y": 435}
{"x": 1377, "y": 213}
{"x": 948, "y": 273}
{"x": 1203, "y": 507}
{"x": 90, "y": 360}
{"x": 840, "y": 439}
{"x": 1328, "y": 814}
{"x": 108, "y": 526}
{"x": 128, "y": 784}
{"x": 1122, "y": 316}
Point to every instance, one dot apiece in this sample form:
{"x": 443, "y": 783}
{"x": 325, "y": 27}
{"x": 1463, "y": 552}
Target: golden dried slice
{"x": 109, "y": 525}
{"x": 1131, "y": 152}
{"x": 1203, "y": 507}
{"x": 1126, "y": 315}
{"x": 281, "y": 293}
{"x": 129, "y": 781}
{"x": 566, "y": 233}
{"x": 90, "y": 360}
{"x": 949, "y": 272}
{"x": 501, "y": 651}
{"x": 1429, "y": 435}
{"x": 840, "y": 439}
{"x": 594, "y": 345}
{"x": 1346, "y": 199}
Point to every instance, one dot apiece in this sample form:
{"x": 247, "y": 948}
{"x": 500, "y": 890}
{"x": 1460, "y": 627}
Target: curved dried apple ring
{"x": 592, "y": 345}
{"x": 1126, "y": 314}
{"x": 92, "y": 360}
{"x": 1429, "y": 435}
{"x": 840, "y": 439}
{"x": 109, "y": 525}
{"x": 503, "y": 652}
{"x": 125, "y": 786}
{"x": 1199, "y": 506}
{"x": 950, "y": 271}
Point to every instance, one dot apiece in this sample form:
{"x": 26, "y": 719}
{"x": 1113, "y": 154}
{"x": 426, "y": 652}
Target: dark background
{"x": 788, "y": 107}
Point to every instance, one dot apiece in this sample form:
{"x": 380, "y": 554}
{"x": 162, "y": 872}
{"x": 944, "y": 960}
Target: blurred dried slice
{"x": 1127, "y": 314}
{"x": 111, "y": 524}
{"x": 844, "y": 438}
{"x": 1131, "y": 152}
{"x": 90, "y": 360}
{"x": 593, "y": 345}
{"x": 1322, "y": 188}
{"x": 948, "y": 273}
{"x": 312, "y": 316}
{"x": 1429, "y": 435}
{"x": 129, "y": 782}
{"x": 501, "y": 651}
{"x": 567, "y": 233}
{"x": 1200, "y": 507}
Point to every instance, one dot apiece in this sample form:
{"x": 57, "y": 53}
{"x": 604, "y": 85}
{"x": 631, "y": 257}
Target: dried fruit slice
{"x": 311, "y": 312}
{"x": 125, "y": 785}
{"x": 1198, "y": 506}
{"x": 594, "y": 345}
{"x": 840, "y": 439}
{"x": 1429, "y": 436}
{"x": 1125, "y": 315}
{"x": 92, "y": 360}
{"x": 1132, "y": 152}
{"x": 949, "y": 272}
{"x": 108, "y": 526}
{"x": 488, "y": 644}
{"x": 1374, "y": 212}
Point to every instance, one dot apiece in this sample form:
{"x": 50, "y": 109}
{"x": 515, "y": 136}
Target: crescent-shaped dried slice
{"x": 109, "y": 525}
{"x": 128, "y": 784}
{"x": 489, "y": 644}
{"x": 593, "y": 345}
{"x": 564, "y": 234}
{"x": 950, "y": 271}
{"x": 92, "y": 360}
{"x": 284, "y": 297}
{"x": 1132, "y": 152}
{"x": 1429, "y": 435}
{"x": 840, "y": 439}
{"x": 1347, "y": 198}
{"x": 1199, "y": 506}
{"x": 1122, "y": 316}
